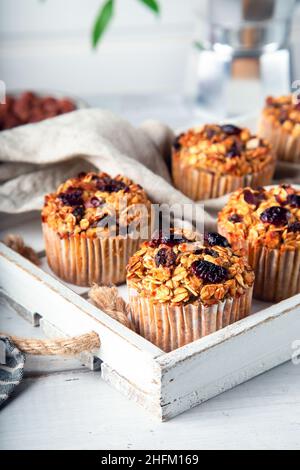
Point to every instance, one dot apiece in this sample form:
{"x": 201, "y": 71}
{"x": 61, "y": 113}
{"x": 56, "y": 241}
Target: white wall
{"x": 46, "y": 44}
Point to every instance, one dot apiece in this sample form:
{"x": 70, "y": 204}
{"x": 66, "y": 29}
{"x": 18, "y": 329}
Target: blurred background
{"x": 46, "y": 45}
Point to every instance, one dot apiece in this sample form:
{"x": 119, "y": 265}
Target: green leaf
{"x": 152, "y": 4}
{"x": 199, "y": 45}
{"x": 102, "y": 21}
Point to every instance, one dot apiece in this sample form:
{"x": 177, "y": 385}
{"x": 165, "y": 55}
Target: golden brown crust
{"x": 248, "y": 217}
{"x": 165, "y": 272}
{"x": 223, "y": 150}
{"x": 282, "y": 112}
{"x": 81, "y": 203}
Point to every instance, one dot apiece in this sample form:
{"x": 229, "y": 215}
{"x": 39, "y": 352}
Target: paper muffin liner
{"x": 169, "y": 326}
{"x": 285, "y": 145}
{"x": 200, "y": 184}
{"x": 84, "y": 261}
{"x": 277, "y": 273}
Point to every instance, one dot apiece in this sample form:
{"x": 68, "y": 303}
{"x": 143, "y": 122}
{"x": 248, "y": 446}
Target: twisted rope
{"x": 108, "y": 300}
{"x": 105, "y": 298}
{"x": 60, "y": 346}
{"x": 16, "y": 243}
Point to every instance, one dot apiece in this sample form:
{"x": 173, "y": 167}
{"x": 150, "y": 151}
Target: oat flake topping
{"x": 187, "y": 271}
{"x": 225, "y": 149}
{"x": 283, "y": 111}
{"x": 270, "y": 217}
{"x": 84, "y": 205}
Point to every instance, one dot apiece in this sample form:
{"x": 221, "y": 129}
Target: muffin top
{"x": 94, "y": 204}
{"x": 269, "y": 217}
{"x": 225, "y": 149}
{"x": 285, "y": 112}
{"x": 178, "y": 268}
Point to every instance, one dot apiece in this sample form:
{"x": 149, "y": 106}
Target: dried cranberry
{"x": 234, "y": 151}
{"x": 103, "y": 183}
{"x": 294, "y": 227}
{"x": 206, "y": 251}
{"x": 294, "y": 200}
{"x": 297, "y": 106}
{"x": 82, "y": 174}
{"x": 170, "y": 239}
{"x": 230, "y": 129}
{"x": 235, "y": 218}
{"x": 270, "y": 102}
{"x": 176, "y": 143}
{"x": 275, "y": 215}
{"x": 78, "y": 212}
{"x": 110, "y": 185}
{"x": 209, "y": 272}
{"x": 283, "y": 116}
{"x": 211, "y": 132}
{"x": 214, "y": 238}
{"x": 95, "y": 202}
{"x": 260, "y": 194}
{"x": 250, "y": 197}
{"x": 72, "y": 197}
{"x": 165, "y": 257}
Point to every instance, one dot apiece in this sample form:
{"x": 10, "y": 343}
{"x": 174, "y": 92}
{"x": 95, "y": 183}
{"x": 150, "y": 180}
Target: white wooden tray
{"x": 166, "y": 384}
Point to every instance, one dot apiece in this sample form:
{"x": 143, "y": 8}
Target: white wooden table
{"x": 62, "y": 405}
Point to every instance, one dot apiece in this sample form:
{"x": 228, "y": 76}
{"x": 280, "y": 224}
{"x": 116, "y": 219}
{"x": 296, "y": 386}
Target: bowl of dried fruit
{"x": 25, "y": 107}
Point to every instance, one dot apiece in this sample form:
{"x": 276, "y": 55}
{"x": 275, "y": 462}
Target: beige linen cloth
{"x": 36, "y": 158}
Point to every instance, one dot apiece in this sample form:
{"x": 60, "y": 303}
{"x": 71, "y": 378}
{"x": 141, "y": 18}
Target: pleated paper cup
{"x": 286, "y": 146}
{"x": 200, "y": 184}
{"x": 84, "y": 261}
{"x": 169, "y": 326}
{"x": 277, "y": 273}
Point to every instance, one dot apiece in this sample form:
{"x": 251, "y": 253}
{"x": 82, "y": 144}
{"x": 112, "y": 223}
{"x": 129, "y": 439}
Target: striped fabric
{"x": 11, "y": 368}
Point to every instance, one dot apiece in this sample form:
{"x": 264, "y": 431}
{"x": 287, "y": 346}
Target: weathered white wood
{"x": 125, "y": 351}
{"x": 165, "y": 384}
{"x": 151, "y": 403}
{"x": 212, "y": 365}
{"x": 12, "y": 323}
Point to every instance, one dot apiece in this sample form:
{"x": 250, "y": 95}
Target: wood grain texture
{"x": 49, "y": 412}
{"x": 165, "y": 384}
{"x": 73, "y": 315}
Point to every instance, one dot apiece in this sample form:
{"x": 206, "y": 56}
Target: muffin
{"x": 92, "y": 224}
{"x": 280, "y": 124}
{"x": 181, "y": 289}
{"x": 264, "y": 225}
{"x": 213, "y": 160}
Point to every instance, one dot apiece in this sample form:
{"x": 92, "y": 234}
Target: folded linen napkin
{"x": 36, "y": 158}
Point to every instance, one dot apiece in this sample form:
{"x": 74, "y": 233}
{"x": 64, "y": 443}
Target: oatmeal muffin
{"x": 280, "y": 124}
{"x": 181, "y": 289}
{"x": 92, "y": 224}
{"x": 264, "y": 225}
{"x": 213, "y": 160}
